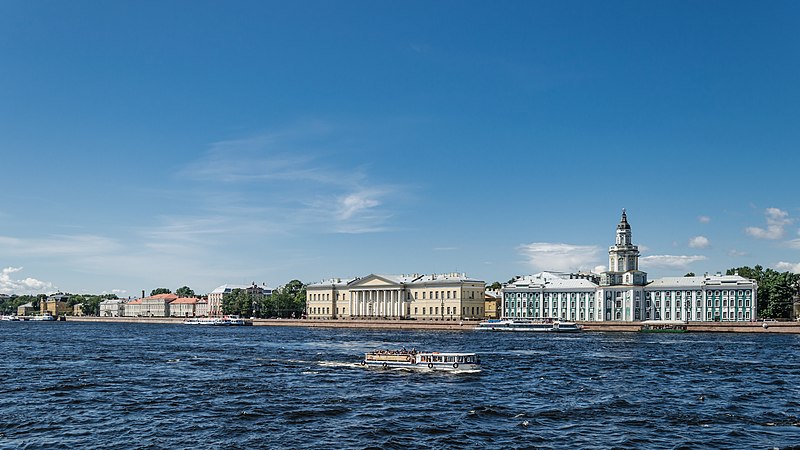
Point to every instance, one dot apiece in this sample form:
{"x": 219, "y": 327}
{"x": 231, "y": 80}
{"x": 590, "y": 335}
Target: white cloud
{"x": 599, "y": 269}
{"x": 699, "y": 242}
{"x": 58, "y": 245}
{"x": 794, "y": 243}
{"x": 785, "y": 266}
{"x": 556, "y": 256}
{"x": 777, "y": 220}
{"x": 704, "y": 219}
{"x": 736, "y": 253}
{"x": 22, "y": 286}
{"x": 670, "y": 261}
{"x": 355, "y": 203}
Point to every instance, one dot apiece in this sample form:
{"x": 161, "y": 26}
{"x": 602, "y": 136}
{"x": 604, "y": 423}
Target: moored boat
{"x": 664, "y": 326}
{"x": 11, "y": 318}
{"x": 416, "y": 360}
{"x": 546, "y": 324}
{"x": 44, "y": 317}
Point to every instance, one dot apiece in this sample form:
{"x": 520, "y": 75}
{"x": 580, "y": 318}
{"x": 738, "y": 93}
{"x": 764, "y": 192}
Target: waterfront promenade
{"x": 713, "y": 327}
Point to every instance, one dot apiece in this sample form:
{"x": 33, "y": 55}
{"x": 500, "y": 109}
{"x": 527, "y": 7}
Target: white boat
{"x": 414, "y": 360}
{"x": 11, "y": 318}
{"x": 546, "y": 324}
{"x": 218, "y": 321}
{"x": 44, "y": 317}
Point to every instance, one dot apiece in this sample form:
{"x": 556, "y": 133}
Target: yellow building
{"x": 55, "y": 305}
{"x": 451, "y": 296}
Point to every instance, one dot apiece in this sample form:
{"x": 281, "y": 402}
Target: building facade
{"x": 55, "y": 305}
{"x": 451, "y": 296}
{"x": 112, "y": 308}
{"x": 623, "y": 293}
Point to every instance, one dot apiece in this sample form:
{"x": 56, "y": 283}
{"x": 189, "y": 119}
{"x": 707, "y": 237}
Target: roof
{"x": 228, "y": 288}
{"x": 161, "y": 297}
{"x": 552, "y": 280}
{"x": 699, "y": 282}
{"x": 184, "y": 301}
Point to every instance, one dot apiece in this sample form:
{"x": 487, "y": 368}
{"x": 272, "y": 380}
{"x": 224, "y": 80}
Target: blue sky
{"x": 160, "y": 144}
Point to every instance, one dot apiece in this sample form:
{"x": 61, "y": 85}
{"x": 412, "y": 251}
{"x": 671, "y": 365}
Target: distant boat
{"x": 664, "y": 326}
{"x": 547, "y": 324}
{"x": 414, "y": 360}
{"x": 218, "y": 321}
{"x": 44, "y": 317}
{"x": 11, "y": 318}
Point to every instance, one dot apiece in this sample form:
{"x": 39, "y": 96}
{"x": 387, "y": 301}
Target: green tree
{"x": 160, "y": 291}
{"x": 690, "y": 274}
{"x": 286, "y": 301}
{"x": 239, "y": 302}
{"x": 495, "y": 286}
{"x": 184, "y": 291}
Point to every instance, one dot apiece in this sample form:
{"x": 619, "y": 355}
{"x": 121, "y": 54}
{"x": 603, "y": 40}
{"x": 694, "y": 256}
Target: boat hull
{"x": 435, "y": 367}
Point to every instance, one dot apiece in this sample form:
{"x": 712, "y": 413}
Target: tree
{"x": 690, "y": 274}
{"x": 160, "y": 291}
{"x": 495, "y": 286}
{"x": 242, "y": 303}
{"x": 286, "y": 301}
{"x": 184, "y": 292}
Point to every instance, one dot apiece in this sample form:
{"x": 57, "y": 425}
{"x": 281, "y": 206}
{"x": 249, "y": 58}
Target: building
{"x": 153, "y": 306}
{"x": 623, "y": 293}
{"x": 55, "y": 305}
{"x": 215, "y": 297}
{"x": 112, "y": 308}
{"x": 25, "y": 310}
{"x": 451, "y": 296}
{"x": 183, "y": 307}
{"x": 77, "y": 309}
{"x": 492, "y": 302}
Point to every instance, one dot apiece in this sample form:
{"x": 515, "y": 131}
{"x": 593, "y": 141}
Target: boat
{"x": 11, "y": 318}
{"x": 44, "y": 317}
{"x": 546, "y": 324}
{"x": 417, "y": 360}
{"x": 664, "y": 326}
{"x": 218, "y": 321}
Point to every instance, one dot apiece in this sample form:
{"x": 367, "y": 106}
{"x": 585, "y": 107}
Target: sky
{"x": 179, "y": 143}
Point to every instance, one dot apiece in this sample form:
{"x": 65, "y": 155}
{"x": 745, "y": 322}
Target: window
{"x": 415, "y": 310}
{"x": 423, "y": 311}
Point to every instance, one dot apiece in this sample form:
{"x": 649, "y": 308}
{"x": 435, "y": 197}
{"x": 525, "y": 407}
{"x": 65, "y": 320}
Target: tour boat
{"x": 416, "y": 360}
{"x": 11, "y": 318}
{"x": 664, "y": 326}
{"x": 542, "y": 325}
{"x": 218, "y": 321}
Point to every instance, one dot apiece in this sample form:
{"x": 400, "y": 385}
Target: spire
{"x": 623, "y": 223}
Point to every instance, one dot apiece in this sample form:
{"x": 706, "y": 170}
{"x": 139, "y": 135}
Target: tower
{"x": 623, "y": 258}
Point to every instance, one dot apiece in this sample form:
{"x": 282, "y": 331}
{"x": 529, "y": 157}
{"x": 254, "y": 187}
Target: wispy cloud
{"x": 58, "y": 245}
{"x": 786, "y": 266}
{"x": 559, "y": 256}
{"x": 670, "y": 261}
{"x": 24, "y": 285}
{"x": 704, "y": 219}
{"x": 777, "y": 220}
{"x": 699, "y": 242}
{"x": 291, "y": 175}
{"x": 736, "y": 253}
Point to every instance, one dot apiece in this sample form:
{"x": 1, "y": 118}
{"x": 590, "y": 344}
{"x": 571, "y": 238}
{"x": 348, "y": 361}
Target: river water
{"x": 121, "y": 385}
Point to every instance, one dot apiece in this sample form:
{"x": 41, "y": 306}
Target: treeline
{"x": 287, "y": 301}
{"x": 90, "y": 304}
{"x": 775, "y": 290}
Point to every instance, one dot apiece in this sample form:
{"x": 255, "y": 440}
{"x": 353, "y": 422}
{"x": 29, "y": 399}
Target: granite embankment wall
{"x": 716, "y": 327}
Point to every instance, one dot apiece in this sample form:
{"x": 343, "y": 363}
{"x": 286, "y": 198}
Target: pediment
{"x": 374, "y": 281}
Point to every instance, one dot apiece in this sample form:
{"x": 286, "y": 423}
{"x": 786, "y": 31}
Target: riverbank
{"x": 706, "y": 327}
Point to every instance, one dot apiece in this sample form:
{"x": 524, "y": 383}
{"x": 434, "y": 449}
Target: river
{"x": 127, "y": 385}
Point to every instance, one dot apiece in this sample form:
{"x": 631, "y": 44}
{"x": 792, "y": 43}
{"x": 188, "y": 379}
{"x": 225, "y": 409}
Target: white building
{"x": 451, "y": 296}
{"x": 112, "y": 308}
{"x": 624, "y": 294}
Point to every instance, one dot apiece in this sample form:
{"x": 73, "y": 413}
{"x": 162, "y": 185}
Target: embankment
{"x": 712, "y": 327}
